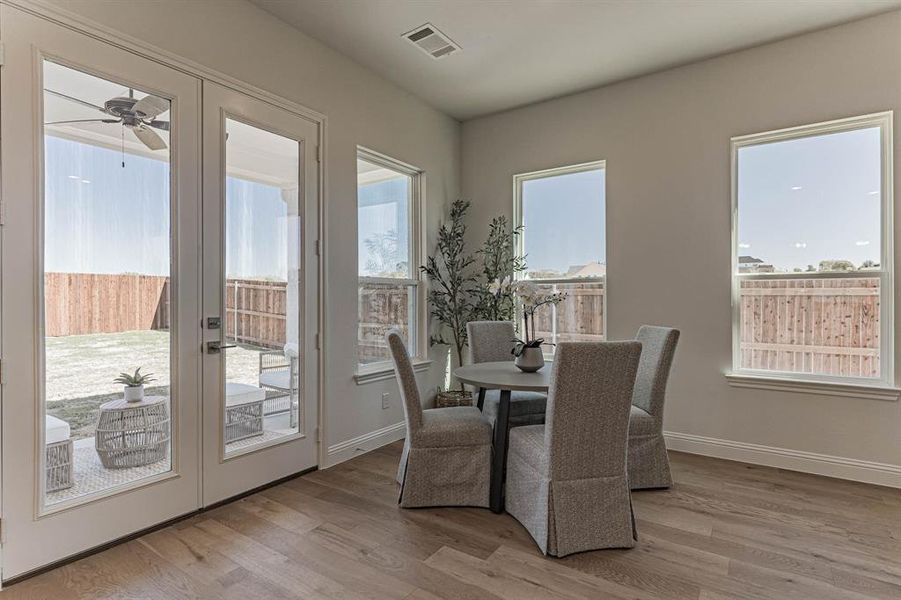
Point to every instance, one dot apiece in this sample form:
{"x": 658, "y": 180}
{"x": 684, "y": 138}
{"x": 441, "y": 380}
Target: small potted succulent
{"x": 528, "y": 353}
{"x": 134, "y": 384}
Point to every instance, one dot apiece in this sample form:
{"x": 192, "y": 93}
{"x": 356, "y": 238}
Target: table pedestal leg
{"x": 499, "y": 458}
{"x": 481, "y": 402}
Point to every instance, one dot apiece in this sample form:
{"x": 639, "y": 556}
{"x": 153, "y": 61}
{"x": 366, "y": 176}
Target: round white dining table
{"x": 507, "y": 378}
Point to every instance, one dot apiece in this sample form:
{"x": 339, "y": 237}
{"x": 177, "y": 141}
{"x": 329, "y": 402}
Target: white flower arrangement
{"x": 532, "y": 297}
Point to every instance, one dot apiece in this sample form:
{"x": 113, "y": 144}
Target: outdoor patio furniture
{"x": 243, "y": 411}
{"x": 279, "y": 374}
{"x": 132, "y": 434}
{"x": 58, "y": 462}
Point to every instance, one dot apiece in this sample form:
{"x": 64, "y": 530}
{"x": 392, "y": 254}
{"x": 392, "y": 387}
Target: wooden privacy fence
{"x": 255, "y": 312}
{"x": 579, "y": 318}
{"x": 381, "y": 307}
{"x": 823, "y": 326}
{"x": 86, "y": 303}
{"x": 83, "y": 303}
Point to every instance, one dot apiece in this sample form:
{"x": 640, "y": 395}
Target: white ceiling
{"x": 516, "y": 52}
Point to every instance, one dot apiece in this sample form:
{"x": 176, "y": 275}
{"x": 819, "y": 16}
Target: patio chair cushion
{"x": 56, "y": 430}
{"x": 276, "y": 378}
{"x": 237, "y": 394}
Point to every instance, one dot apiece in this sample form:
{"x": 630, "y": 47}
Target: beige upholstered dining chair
{"x": 648, "y": 462}
{"x": 446, "y": 459}
{"x": 566, "y": 480}
{"x": 492, "y": 341}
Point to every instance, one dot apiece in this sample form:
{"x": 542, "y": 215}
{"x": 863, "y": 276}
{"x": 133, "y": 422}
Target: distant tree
{"x": 811, "y": 268}
{"x": 383, "y": 255}
{"x": 868, "y": 264}
{"x": 836, "y": 265}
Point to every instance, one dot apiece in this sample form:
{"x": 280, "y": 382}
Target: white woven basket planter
{"x": 132, "y": 434}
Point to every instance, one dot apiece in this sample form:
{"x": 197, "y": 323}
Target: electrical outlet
{"x": 386, "y": 400}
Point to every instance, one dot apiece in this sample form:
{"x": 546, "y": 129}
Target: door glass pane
{"x": 262, "y": 295}
{"x": 107, "y": 257}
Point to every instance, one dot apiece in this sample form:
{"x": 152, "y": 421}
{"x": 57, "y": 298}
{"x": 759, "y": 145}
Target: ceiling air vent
{"x": 431, "y": 41}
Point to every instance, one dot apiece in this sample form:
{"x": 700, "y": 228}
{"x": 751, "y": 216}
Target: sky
{"x": 564, "y": 220}
{"x": 102, "y": 218}
{"x": 383, "y": 208}
{"x": 811, "y": 199}
{"x": 799, "y": 202}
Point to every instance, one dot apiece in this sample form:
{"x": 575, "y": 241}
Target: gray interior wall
{"x": 666, "y": 140}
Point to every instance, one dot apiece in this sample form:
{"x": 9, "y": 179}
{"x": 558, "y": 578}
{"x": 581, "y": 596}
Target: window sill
{"x": 382, "y": 373}
{"x": 823, "y": 388}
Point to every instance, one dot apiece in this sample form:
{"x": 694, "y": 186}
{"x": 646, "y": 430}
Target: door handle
{"x": 216, "y": 347}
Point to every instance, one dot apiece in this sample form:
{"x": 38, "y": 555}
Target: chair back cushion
{"x": 588, "y": 407}
{"x": 406, "y": 380}
{"x": 658, "y": 346}
{"x": 490, "y": 341}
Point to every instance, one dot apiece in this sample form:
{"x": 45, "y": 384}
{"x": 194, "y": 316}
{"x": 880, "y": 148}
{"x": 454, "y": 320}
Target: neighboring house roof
{"x": 749, "y": 260}
{"x": 594, "y": 269}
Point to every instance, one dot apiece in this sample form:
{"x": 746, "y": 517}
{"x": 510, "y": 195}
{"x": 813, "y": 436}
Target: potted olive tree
{"x": 500, "y": 264}
{"x": 134, "y": 384}
{"x": 452, "y": 294}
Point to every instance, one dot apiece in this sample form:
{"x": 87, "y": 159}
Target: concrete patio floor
{"x": 79, "y": 374}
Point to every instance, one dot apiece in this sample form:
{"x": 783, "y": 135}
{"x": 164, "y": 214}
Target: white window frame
{"x": 518, "y": 181}
{"x": 815, "y": 383}
{"x": 418, "y": 322}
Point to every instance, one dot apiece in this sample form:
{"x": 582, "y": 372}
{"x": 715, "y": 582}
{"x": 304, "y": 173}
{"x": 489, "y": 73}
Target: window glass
{"x": 810, "y": 204}
{"x": 564, "y": 225}
{"x": 388, "y": 276}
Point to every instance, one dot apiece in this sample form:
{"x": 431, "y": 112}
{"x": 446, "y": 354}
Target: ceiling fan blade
{"x": 164, "y": 125}
{"x": 149, "y": 137}
{"x": 151, "y": 106}
{"x": 83, "y": 121}
{"x": 75, "y": 100}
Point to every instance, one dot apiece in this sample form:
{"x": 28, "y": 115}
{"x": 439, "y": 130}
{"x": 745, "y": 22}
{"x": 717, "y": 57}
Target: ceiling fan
{"x": 136, "y": 115}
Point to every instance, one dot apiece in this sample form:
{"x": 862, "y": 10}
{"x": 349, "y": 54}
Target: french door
{"x": 100, "y": 188}
{"x": 130, "y": 263}
{"x": 260, "y": 292}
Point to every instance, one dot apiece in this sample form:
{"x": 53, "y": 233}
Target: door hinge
{"x": 2, "y": 54}
{"x": 316, "y": 339}
{"x": 318, "y": 248}
{"x": 318, "y": 439}
{"x": 319, "y": 153}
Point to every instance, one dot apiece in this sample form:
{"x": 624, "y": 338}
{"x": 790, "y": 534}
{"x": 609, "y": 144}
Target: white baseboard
{"x": 347, "y": 449}
{"x": 784, "y": 458}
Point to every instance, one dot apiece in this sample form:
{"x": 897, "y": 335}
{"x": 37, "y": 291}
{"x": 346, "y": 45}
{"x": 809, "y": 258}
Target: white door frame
{"x": 36, "y": 534}
{"x": 224, "y": 476}
{"x": 75, "y": 22}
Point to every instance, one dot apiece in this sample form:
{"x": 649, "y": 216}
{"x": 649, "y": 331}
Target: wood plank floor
{"x": 726, "y": 530}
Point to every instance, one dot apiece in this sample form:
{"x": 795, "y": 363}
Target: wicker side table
{"x": 133, "y": 434}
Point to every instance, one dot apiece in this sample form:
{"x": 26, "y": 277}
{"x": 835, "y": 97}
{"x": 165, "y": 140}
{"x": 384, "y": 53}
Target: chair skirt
{"x": 648, "y": 462}
{"x": 564, "y": 517}
{"x": 449, "y": 476}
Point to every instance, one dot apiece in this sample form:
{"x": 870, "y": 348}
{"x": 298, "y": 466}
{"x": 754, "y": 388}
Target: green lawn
{"x": 80, "y": 371}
